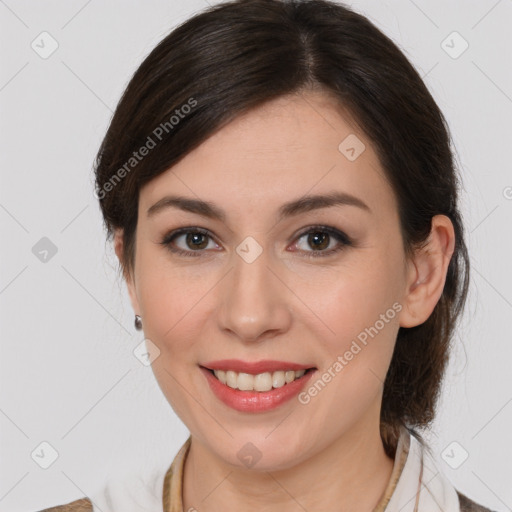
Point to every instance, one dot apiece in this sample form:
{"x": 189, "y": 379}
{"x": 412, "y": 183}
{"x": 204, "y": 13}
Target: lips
{"x": 255, "y": 401}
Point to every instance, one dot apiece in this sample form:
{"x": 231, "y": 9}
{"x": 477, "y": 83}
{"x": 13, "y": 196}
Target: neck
{"x": 350, "y": 474}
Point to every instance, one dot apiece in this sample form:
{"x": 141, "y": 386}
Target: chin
{"x": 256, "y": 450}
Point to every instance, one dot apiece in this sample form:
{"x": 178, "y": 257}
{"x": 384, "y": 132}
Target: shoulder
{"x": 81, "y": 505}
{"x": 468, "y": 505}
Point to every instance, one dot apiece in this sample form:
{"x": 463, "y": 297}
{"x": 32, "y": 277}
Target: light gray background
{"x": 68, "y": 375}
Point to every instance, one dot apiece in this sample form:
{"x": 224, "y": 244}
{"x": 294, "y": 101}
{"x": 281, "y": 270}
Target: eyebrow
{"x": 295, "y": 207}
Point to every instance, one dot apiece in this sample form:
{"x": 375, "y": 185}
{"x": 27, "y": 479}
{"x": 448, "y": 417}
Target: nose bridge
{"x": 252, "y": 302}
{"x": 251, "y": 275}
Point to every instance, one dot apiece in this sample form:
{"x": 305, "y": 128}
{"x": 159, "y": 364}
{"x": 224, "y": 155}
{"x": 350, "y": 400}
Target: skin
{"x": 328, "y": 454}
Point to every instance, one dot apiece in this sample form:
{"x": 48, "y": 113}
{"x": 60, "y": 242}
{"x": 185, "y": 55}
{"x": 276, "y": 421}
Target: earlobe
{"x": 427, "y": 274}
{"x": 130, "y": 283}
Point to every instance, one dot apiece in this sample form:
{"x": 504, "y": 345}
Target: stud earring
{"x": 138, "y": 323}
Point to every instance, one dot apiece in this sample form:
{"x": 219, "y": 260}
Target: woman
{"x": 281, "y": 194}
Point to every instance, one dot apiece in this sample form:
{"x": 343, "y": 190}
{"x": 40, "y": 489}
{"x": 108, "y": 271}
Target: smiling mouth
{"x": 261, "y": 382}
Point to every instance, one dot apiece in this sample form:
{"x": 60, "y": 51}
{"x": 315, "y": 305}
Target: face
{"x": 316, "y": 286}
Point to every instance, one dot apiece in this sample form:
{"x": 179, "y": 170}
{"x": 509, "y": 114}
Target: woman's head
{"x": 251, "y": 105}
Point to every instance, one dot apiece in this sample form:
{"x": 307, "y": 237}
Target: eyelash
{"x": 342, "y": 238}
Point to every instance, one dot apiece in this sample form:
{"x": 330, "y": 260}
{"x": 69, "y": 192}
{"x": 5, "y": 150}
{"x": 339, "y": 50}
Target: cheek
{"x": 171, "y": 301}
{"x": 354, "y": 295}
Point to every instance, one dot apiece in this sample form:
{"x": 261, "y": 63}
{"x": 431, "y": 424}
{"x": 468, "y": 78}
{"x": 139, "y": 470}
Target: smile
{"x": 259, "y": 392}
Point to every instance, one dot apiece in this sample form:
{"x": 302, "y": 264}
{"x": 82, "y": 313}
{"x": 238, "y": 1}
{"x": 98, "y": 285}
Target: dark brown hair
{"x": 238, "y": 55}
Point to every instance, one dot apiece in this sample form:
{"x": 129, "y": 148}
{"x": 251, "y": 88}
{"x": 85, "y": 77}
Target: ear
{"x": 130, "y": 282}
{"x": 427, "y": 273}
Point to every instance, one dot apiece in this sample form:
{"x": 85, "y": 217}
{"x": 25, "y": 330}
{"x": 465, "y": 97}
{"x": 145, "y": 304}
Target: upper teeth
{"x": 261, "y": 382}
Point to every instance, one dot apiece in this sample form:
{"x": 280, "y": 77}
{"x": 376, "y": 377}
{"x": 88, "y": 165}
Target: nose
{"x": 254, "y": 301}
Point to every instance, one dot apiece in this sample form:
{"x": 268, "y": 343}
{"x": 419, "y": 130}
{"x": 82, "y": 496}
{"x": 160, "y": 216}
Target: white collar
{"x": 421, "y": 486}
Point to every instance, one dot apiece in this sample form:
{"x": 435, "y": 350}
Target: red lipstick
{"x": 255, "y": 401}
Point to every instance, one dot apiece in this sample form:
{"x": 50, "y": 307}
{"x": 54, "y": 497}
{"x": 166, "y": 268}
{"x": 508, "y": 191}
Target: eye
{"x": 195, "y": 238}
{"x": 321, "y": 238}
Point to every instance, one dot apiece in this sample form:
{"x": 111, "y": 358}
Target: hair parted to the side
{"x": 237, "y": 55}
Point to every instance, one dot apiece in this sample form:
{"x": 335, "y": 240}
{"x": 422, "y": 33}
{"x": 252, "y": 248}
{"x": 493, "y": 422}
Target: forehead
{"x": 282, "y": 150}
